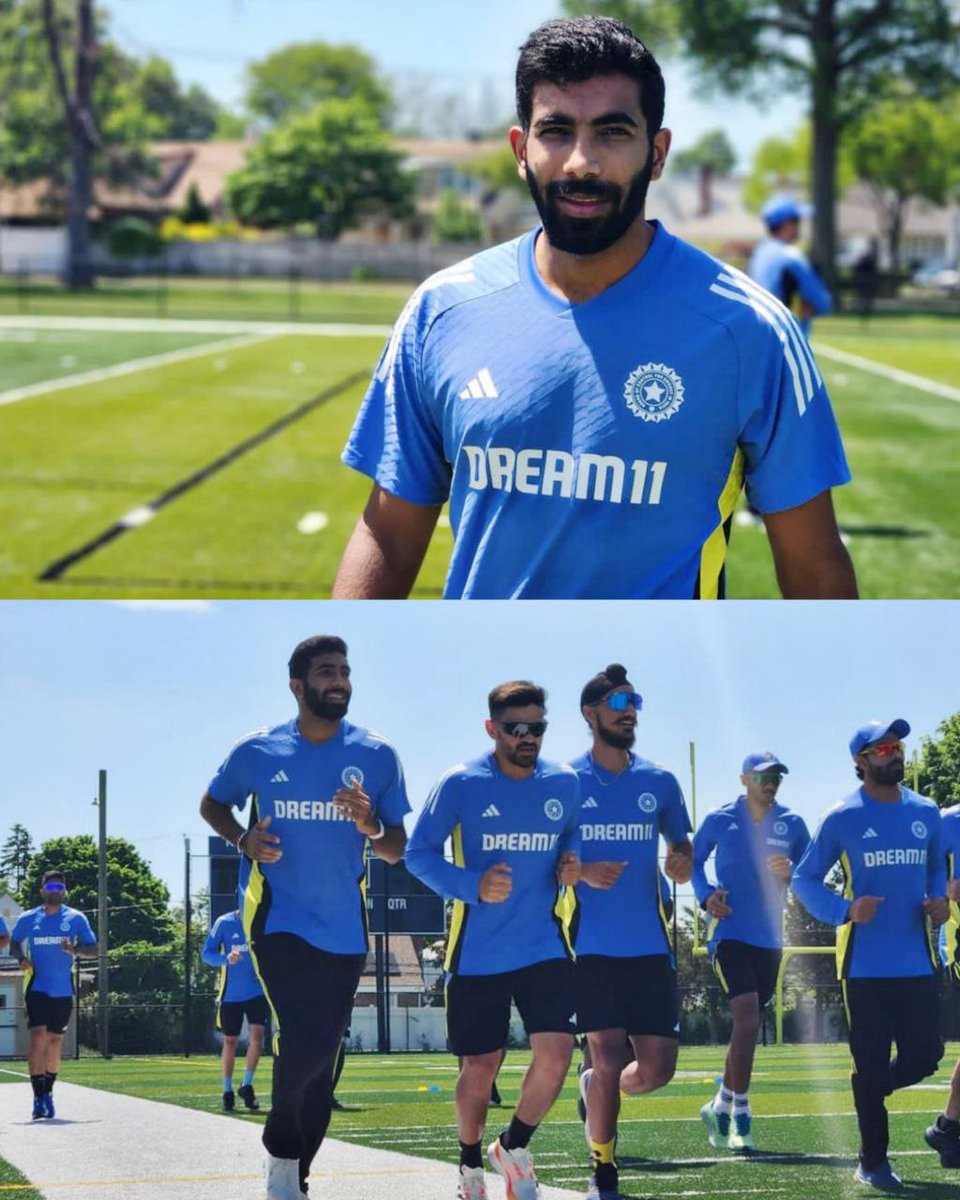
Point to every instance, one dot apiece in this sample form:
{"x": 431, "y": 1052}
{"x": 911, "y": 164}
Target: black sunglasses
{"x": 519, "y": 729}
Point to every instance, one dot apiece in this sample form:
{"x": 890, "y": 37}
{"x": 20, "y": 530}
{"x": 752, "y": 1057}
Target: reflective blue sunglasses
{"x": 618, "y": 701}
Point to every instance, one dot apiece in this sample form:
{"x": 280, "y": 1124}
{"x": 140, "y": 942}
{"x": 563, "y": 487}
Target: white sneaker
{"x": 516, "y": 1167}
{"x": 283, "y": 1178}
{"x": 472, "y": 1185}
{"x": 584, "y": 1082}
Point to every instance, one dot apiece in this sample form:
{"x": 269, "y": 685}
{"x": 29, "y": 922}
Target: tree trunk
{"x": 79, "y": 272}
{"x": 826, "y": 135}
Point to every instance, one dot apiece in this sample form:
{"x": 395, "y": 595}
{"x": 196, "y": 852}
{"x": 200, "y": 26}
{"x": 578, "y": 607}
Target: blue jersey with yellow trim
{"x": 40, "y": 934}
{"x": 622, "y": 818}
{"x": 740, "y": 846}
{"x": 492, "y": 818}
{"x": 950, "y": 933}
{"x": 237, "y": 981}
{"x": 889, "y": 850}
{"x": 615, "y": 434}
{"x": 316, "y": 890}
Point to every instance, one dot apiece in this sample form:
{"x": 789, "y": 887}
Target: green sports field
{"x": 804, "y": 1126}
{"x": 202, "y": 458}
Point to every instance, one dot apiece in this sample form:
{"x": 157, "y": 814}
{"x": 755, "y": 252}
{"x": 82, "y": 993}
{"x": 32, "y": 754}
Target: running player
{"x": 46, "y": 940}
{"x": 596, "y": 384}
{"x": 512, "y": 821}
{"x": 756, "y": 843}
{"x": 4, "y": 935}
{"x": 239, "y": 995}
{"x": 781, "y": 267}
{"x": 322, "y": 789}
{"x": 626, "y": 977}
{"x": 944, "y": 1134}
{"x": 886, "y": 839}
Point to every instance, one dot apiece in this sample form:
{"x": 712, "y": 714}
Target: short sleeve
{"x": 230, "y": 786}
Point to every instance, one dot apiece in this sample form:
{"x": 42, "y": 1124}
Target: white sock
{"x": 741, "y": 1102}
{"x": 723, "y": 1100}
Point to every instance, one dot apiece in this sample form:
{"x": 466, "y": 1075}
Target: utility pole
{"x": 103, "y": 985}
{"x": 187, "y": 917}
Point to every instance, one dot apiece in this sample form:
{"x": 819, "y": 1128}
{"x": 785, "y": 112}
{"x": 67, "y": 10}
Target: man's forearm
{"x": 830, "y": 577}
{"x": 372, "y": 570}
{"x": 220, "y": 819}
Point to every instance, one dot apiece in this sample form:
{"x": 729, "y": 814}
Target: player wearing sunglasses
{"x": 512, "y": 821}
{"x": 626, "y": 978}
{"x": 887, "y": 841}
{"x": 46, "y": 940}
{"x": 755, "y": 842}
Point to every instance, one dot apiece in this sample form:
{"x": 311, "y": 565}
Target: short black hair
{"x": 516, "y": 694}
{"x": 310, "y": 648}
{"x": 48, "y": 875}
{"x": 573, "y": 49}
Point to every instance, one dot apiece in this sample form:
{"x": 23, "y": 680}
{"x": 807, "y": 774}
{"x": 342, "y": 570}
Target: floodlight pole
{"x": 103, "y": 989}
{"x": 187, "y": 920}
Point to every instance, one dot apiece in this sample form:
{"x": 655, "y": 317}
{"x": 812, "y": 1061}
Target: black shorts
{"x": 478, "y": 1006}
{"x": 51, "y": 1011}
{"x": 638, "y": 995}
{"x": 230, "y": 1014}
{"x": 742, "y": 968}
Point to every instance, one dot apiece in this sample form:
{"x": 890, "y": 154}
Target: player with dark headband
{"x": 627, "y": 994}
{"x": 46, "y": 940}
{"x": 322, "y": 791}
{"x": 886, "y": 840}
{"x": 755, "y": 842}
{"x": 512, "y": 821}
{"x": 597, "y": 392}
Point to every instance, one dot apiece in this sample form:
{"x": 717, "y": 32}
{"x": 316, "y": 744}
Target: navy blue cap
{"x": 763, "y": 762}
{"x": 782, "y": 208}
{"x": 875, "y": 731}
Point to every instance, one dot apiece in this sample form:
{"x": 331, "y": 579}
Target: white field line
{"x": 128, "y": 368}
{"x": 173, "y": 325}
{"x": 920, "y": 382}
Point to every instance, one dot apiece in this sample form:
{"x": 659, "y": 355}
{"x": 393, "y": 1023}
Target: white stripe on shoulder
{"x": 435, "y": 791}
{"x": 459, "y": 273}
{"x": 797, "y": 336}
{"x": 780, "y": 324}
{"x": 248, "y": 737}
{"x": 382, "y": 741}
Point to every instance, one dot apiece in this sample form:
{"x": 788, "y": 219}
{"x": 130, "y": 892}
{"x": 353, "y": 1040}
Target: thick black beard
{"x": 590, "y": 235}
{"x": 619, "y": 741}
{"x": 513, "y": 756}
{"x": 326, "y": 710}
{"x": 888, "y": 773}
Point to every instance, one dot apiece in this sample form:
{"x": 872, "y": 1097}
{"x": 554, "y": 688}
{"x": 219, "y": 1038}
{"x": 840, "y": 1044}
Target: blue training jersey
{"x": 622, "y": 818}
{"x": 889, "y": 850}
{"x": 492, "y": 818}
{"x": 786, "y": 272}
{"x": 316, "y": 890}
{"x": 741, "y": 846}
{"x": 237, "y": 981}
{"x": 595, "y": 450}
{"x": 49, "y": 968}
{"x": 950, "y": 932}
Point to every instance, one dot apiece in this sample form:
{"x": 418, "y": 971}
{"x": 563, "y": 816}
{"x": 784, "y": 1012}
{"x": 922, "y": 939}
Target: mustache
{"x": 596, "y": 189}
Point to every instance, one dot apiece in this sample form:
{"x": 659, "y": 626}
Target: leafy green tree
{"x": 177, "y": 114}
{"x": 905, "y": 147}
{"x": 845, "y": 55}
{"x": 711, "y": 155}
{"x": 329, "y": 168}
{"x": 138, "y": 901}
{"x": 15, "y": 855}
{"x": 194, "y": 211}
{"x": 939, "y": 764}
{"x": 294, "y": 80}
{"x": 786, "y": 162}
{"x": 498, "y": 171}
{"x": 454, "y": 220}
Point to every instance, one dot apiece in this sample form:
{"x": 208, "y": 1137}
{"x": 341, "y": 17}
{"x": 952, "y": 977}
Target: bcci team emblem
{"x": 352, "y": 775}
{"x": 919, "y": 829}
{"x": 653, "y": 392}
{"x": 647, "y": 801}
{"x": 780, "y": 828}
{"x": 553, "y": 809}
{"x": 64, "y": 926}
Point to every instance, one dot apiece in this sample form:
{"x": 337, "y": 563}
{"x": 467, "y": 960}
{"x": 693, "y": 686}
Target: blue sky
{"x": 158, "y": 693}
{"x": 471, "y": 48}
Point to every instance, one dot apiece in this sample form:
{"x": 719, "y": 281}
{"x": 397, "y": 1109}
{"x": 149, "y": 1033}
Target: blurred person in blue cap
{"x": 756, "y": 842}
{"x": 887, "y": 841}
{"x": 782, "y": 268}
{"x": 944, "y": 1134}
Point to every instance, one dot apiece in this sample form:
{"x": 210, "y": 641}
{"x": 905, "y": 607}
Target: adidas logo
{"x": 491, "y": 811}
{"x": 590, "y": 803}
{"x": 732, "y": 825}
{"x": 871, "y": 832}
{"x": 280, "y": 777}
{"x": 480, "y": 386}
